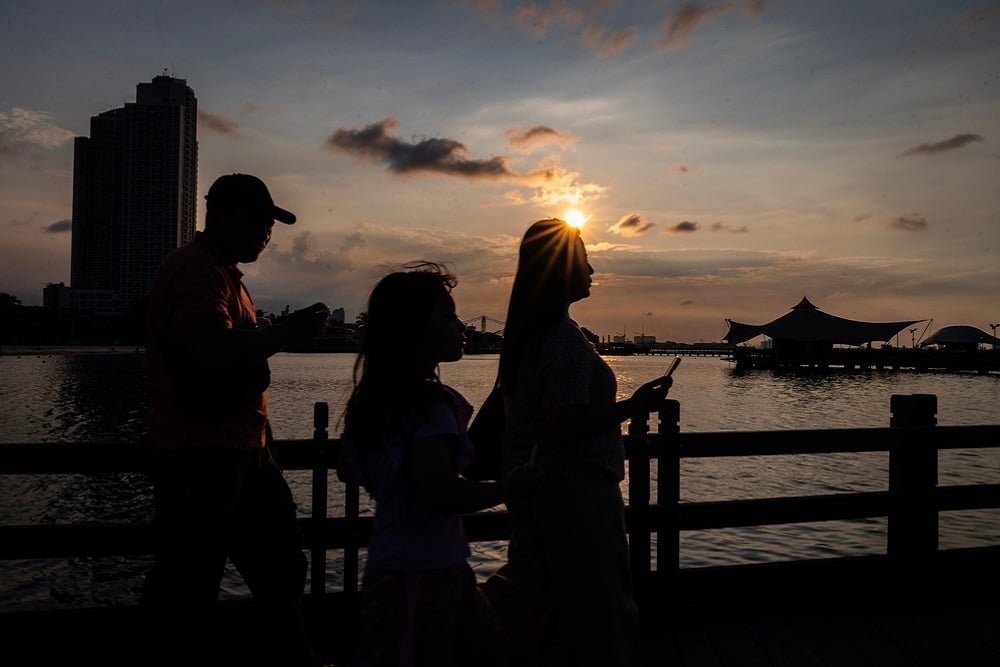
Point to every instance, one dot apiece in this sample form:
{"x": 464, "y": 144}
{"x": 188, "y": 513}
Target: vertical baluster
{"x": 638, "y": 500}
{"x": 668, "y": 493}
{"x": 913, "y": 467}
{"x": 352, "y": 510}
{"x": 320, "y": 473}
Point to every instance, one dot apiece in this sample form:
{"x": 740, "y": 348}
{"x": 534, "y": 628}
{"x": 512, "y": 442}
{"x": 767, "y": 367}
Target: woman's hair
{"x": 393, "y": 366}
{"x": 548, "y": 272}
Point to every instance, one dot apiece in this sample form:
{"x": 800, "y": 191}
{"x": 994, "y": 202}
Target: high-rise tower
{"x": 135, "y": 182}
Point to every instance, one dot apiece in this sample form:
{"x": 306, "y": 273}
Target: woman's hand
{"x": 650, "y": 396}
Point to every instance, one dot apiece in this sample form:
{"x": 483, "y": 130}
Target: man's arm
{"x": 215, "y": 345}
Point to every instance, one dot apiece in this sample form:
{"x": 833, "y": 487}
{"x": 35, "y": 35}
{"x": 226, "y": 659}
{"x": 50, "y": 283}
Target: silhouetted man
{"x": 218, "y": 492}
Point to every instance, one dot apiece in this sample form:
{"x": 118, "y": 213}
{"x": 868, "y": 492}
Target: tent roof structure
{"x": 808, "y": 323}
{"x": 960, "y": 334}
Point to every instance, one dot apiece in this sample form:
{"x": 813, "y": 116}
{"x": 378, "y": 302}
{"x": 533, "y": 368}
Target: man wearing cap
{"x": 217, "y": 489}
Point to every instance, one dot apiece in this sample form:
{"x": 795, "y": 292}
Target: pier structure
{"x": 914, "y": 604}
{"x": 982, "y": 362}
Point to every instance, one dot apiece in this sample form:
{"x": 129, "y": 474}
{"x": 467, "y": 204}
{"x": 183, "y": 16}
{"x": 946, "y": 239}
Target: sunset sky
{"x": 729, "y": 158}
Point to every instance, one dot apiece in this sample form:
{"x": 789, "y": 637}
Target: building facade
{"x": 135, "y": 182}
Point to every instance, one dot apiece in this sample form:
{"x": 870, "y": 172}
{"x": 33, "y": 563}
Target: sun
{"x": 574, "y": 218}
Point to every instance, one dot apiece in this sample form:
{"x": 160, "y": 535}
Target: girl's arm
{"x": 433, "y": 473}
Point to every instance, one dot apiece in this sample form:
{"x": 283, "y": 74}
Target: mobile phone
{"x": 673, "y": 366}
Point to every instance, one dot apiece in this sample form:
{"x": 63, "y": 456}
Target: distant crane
{"x": 482, "y": 320}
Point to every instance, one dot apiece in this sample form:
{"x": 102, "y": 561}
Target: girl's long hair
{"x": 548, "y": 269}
{"x": 392, "y": 369}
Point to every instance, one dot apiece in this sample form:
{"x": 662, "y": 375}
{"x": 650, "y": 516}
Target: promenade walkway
{"x": 942, "y": 628}
{"x": 960, "y": 628}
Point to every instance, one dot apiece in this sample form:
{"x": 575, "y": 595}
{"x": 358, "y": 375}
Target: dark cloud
{"x": 909, "y": 223}
{"x": 443, "y": 156}
{"x": 59, "y": 227}
{"x": 722, "y": 227}
{"x": 219, "y": 124}
{"x": 684, "y": 227}
{"x": 957, "y": 141}
{"x": 527, "y": 139}
{"x": 689, "y": 302}
{"x": 631, "y": 225}
{"x": 683, "y": 21}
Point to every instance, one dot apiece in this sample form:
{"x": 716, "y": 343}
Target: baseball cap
{"x": 246, "y": 192}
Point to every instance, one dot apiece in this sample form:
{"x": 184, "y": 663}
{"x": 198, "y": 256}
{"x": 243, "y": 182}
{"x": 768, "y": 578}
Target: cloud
{"x": 23, "y": 131}
{"x": 631, "y": 225}
{"x": 754, "y": 8}
{"x": 683, "y": 21}
{"x": 957, "y": 141}
{"x": 607, "y": 43}
{"x": 686, "y": 226}
{"x": 681, "y": 170}
{"x": 553, "y": 184}
{"x": 305, "y": 254}
{"x": 527, "y": 139}
{"x": 624, "y": 262}
{"x": 286, "y": 7}
{"x": 542, "y": 20}
{"x": 722, "y": 227}
{"x": 219, "y": 124}
{"x": 59, "y": 227}
{"x": 538, "y": 20}
{"x": 443, "y": 156}
{"x": 974, "y": 17}
{"x": 913, "y": 222}
{"x": 340, "y": 15}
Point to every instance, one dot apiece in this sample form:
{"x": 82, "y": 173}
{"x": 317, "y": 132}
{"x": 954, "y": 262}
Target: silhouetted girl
{"x": 568, "y": 559}
{"x": 405, "y": 441}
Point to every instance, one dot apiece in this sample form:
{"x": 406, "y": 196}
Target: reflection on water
{"x": 99, "y": 397}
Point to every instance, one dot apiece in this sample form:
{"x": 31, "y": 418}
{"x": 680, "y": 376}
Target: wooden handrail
{"x": 911, "y": 503}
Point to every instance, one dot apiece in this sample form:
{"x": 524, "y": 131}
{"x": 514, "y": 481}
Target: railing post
{"x": 320, "y": 487}
{"x": 668, "y": 493}
{"x": 352, "y": 509}
{"x": 638, "y": 500}
{"x": 913, "y": 467}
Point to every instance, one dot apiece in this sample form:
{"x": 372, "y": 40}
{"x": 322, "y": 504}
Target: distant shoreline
{"x": 39, "y": 350}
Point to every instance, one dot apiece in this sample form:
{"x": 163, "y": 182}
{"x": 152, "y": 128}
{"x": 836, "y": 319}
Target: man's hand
{"x": 308, "y": 323}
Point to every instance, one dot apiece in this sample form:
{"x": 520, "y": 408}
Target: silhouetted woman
{"x": 568, "y": 565}
{"x": 405, "y": 441}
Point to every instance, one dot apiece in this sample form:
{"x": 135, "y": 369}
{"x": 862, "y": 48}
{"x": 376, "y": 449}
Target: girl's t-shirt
{"x": 407, "y": 534}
